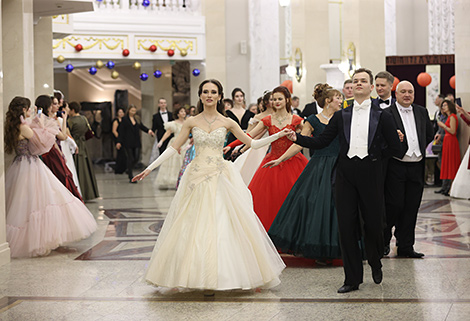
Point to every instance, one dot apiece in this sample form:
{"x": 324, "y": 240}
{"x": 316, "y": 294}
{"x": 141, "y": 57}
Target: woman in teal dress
{"x": 307, "y": 224}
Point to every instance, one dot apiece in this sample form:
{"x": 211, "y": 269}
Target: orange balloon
{"x": 288, "y": 84}
{"x": 452, "y": 82}
{"x": 395, "y": 83}
{"x": 424, "y": 79}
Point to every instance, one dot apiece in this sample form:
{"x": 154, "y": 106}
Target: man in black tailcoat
{"x": 159, "y": 120}
{"x": 364, "y": 130}
{"x": 404, "y": 181}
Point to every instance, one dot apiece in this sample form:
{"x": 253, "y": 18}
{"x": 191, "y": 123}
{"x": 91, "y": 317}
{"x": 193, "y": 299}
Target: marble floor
{"x": 100, "y": 278}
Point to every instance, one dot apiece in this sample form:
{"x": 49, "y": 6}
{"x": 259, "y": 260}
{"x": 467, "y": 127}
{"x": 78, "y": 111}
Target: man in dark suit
{"x": 159, "y": 120}
{"x": 363, "y": 129}
{"x": 311, "y": 108}
{"x": 404, "y": 181}
{"x": 295, "y": 106}
{"x": 383, "y": 87}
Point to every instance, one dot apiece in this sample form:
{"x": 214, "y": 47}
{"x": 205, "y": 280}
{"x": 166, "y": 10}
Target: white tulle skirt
{"x": 41, "y": 213}
{"x": 461, "y": 184}
{"x": 211, "y": 238}
{"x": 248, "y": 163}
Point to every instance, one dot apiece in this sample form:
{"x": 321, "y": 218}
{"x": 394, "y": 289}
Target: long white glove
{"x": 258, "y": 143}
{"x": 72, "y": 145}
{"x": 170, "y": 151}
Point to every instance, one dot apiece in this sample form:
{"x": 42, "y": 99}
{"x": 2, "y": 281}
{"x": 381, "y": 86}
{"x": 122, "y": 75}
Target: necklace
{"x": 280, "y": 121}
{"x": 327, "y": 118}
{"x": 209, "y": 122}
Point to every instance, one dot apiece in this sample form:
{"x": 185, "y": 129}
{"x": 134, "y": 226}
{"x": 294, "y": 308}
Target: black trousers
{"x": 360, "y": 201}
{"x": 404, "y": 186}
{"x": 132, "y": 155}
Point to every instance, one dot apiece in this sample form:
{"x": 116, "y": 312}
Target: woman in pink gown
{"x": 270, "y": 186}
{"x": 41, "y": 214}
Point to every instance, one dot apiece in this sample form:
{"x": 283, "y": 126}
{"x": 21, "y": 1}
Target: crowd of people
{"x": 245, "y": 191}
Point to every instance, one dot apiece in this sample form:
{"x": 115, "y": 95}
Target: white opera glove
{"x": 168, "y": 153}
{"x": 258, "y": 143}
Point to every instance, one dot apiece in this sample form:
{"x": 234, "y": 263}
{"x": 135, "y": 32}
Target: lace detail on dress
{"x": 213, "y": 140}
{"x": 279, "y": 146}
{"x": 22, "y": 152}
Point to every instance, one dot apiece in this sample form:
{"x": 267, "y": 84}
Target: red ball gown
{"x": 450, "y": 153}
{"x": 270, "y": 186}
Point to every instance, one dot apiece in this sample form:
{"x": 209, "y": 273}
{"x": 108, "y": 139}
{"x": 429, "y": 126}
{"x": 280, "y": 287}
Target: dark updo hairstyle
{"x": 266, "y": 95}
{"x": 44, "y": 102}
{"x": 323, "y": 92}
{"x": 13, "y": 122}
{"x": 283, "y": 90}
{"x": 235, "y": 90}
{"x": 75, "y": 107}
{"x": 450, "y": 106}
{"x": 220, "y": 89}
{"x": 177, "y": 111}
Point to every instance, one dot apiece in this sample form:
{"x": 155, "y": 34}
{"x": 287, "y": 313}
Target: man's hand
{"x": 292, "y": 135}
{"x": 118, "y": 146}
{"x": 400, "y": 135}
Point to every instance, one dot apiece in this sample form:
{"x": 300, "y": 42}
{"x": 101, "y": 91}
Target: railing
{"x": 150, "y": 6}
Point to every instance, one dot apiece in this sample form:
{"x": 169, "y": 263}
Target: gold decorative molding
{"x": 102, "y": 43}
{"x": 62, "y": 19}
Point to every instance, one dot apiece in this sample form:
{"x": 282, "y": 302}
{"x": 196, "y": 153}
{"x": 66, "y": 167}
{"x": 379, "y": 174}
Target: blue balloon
{"x": 196, "y": 72}
{"x": 92, "y": 70}
{"x": 110, "y": 64}
{"x": 144, "y": 76}
{"x": 69, "y": 68}
{"x": 146, "y": 3}
{"x": 157, "y": 73}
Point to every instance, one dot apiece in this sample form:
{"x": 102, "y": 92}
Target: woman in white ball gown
{"x": 211, "y": 238}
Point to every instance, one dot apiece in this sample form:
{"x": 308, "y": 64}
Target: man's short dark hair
{"x": 295, "y": 98}
{"x": 385, "y": 74}
{"x": 347, "y": 81}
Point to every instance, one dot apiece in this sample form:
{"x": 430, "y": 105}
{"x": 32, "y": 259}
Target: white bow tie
{"x": 362, "y": 106}
{"x": 406, "y": 110}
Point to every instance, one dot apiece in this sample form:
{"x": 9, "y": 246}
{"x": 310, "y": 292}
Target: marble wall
{"x": 43, "y": 62}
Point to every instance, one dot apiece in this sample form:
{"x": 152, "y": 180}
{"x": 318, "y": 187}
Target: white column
{"x": 148, "y": 102}
{"x": 462, "y": 64}
{"x": 43, "y": 62}
{"x": 263, "y": 46}
{"x": 390, "y": 21}
{"x": 196, "y": 81}
{"x": 18, "y": 49}
{"x": 4, "y": 248}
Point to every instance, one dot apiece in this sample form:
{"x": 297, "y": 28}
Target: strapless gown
{"x": 211, "y": 238}
{"x": 41, "y": 213}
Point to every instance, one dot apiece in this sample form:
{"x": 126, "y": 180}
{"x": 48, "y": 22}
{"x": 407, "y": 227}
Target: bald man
{"x": 404, "y": 180}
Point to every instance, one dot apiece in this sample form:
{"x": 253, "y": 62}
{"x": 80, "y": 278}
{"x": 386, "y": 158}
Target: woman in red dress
{"x": 270, "y": 186}
{"x": 450, "y": 147}
{"x": 54, "y": 159}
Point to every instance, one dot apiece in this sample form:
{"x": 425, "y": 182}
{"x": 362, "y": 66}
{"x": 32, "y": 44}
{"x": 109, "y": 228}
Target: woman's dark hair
{"x": 177, "y": 111}
{"x": 235, "y": 90}
{"x": 75, "y": 107}
{"x": 220, "y": 89}
{"x": 228, "y": 100}
{"x": 323, "y": 92}
{"x": 450, "y": 105}
{"x": 13, "y": 122}
{"x": 266, "y": 96}
{"x": 44, "y": 102}
{"x": 283, "y": 90}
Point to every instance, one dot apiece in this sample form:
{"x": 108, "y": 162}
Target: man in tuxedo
{"x": 364, "y": 130}
{"x": 159, "y": 120}
{"x": 311, "y": 108}
{"x": 295, "y": 106}
{"x": 404, "y": 181}
{"x": 383, "y": 87}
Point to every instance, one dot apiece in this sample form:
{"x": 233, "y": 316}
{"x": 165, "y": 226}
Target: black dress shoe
{"x": 377, "y": 275}
{"x": 348, "y": 288}
{"x": 132, "y": 182}
{"x": 387, "y": 249}
{"x": 440, "y": 191}
{"x": 410, "y": 254}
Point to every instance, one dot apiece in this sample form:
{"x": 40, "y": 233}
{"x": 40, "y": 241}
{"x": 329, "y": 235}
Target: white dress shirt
{"x": 413, "y": 154}
{"x": 358, "y": 145}
{"x": 164, "y": 116}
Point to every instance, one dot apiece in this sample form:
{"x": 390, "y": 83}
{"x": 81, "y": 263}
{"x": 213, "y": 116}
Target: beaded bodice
{"x": 22, "y": 150}
{"x": 279, "y": 146}
{"x": 209, "y": 144}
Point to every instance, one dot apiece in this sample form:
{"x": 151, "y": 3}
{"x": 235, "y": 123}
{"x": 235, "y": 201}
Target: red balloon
{"x": 452, "y": 82}
{"x": 395, "y": 83}
{"x": 288, "y": 84}
{"x": 125, "y": 52}
{"x": 424, "y": 79}
{"x": 79, "y": 47}
{"x": 153, "y": 48}
{"x": 170, "y": 52}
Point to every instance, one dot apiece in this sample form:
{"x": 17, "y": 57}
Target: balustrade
{"x": 150, "y": 6}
